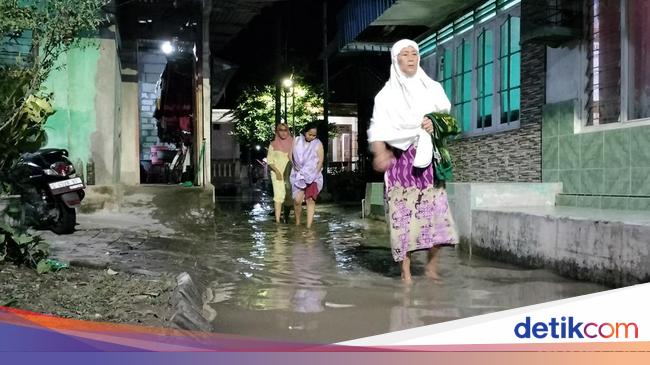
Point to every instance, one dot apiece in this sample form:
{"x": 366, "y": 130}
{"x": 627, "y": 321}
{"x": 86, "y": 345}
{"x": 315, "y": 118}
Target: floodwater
{"x": 337, "y": 281}
{"x": 334, "y": 282}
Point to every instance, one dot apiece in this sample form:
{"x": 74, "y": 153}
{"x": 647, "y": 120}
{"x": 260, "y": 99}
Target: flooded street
{"x": 334, "y": 282}
{"x": 338, "y": 281}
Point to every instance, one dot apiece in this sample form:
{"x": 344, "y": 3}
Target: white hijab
{"x": 401, "y": 105}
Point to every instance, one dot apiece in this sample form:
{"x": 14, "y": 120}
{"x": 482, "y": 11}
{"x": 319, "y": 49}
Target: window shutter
{"x": 604, "y": 57}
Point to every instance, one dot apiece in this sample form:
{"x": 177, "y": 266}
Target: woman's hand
{"x": 382, "y": 161}
{"x": 427, "y": 125}
{"x": 383, "y": 157}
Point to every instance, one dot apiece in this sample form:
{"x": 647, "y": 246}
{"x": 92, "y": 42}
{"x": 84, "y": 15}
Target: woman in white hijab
{"x": 399, "y": 133}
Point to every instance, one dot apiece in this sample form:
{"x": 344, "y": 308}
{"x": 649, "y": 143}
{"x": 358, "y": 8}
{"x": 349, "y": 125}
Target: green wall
{"x": 74, "y": 87}
{"x": 605, "y": 169}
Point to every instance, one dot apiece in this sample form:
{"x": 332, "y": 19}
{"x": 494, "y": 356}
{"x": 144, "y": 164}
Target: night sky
{"x": 254, "y": 48}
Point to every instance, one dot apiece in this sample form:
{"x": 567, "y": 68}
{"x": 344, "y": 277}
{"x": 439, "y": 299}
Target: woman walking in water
{"x": 400, "y": 137}
{"x": 278, "y": 158}
{"x": 307, "y": 175}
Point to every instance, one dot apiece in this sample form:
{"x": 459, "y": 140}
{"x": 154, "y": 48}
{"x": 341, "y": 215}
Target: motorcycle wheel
{"x": 66, "y": 220}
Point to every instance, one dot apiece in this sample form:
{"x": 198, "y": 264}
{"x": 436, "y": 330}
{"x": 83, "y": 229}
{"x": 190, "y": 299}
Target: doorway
{"x": 167, "y": 100}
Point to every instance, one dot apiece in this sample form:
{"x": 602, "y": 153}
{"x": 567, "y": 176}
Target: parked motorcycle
{"x": 50, "y": 189}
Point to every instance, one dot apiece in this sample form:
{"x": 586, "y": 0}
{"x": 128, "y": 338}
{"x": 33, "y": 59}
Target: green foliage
{"x": 53, "y": 27}
{"x": 25, "y": 132}
{"x": 255, "y": 113}
{"x": 23, "y": 249}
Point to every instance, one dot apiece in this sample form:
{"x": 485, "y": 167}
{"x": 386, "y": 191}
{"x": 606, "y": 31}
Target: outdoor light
{"x": 287, "y": 83}
{"x": 258, "y": 147}
{"x": 167, "y": 47}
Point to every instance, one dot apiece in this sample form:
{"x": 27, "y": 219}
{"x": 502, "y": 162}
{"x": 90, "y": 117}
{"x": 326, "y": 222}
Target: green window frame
{"x": 510, "y": 62}
{"x": 445, "y": 72}
{"x": 463, "y": 85}
{"x": 484, "y": 79}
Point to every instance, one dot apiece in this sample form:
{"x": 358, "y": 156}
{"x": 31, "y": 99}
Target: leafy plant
{"x": 254, "y": 116}
{"x": 26, "y": 132}
{"x": 22, "y": 248}
{"x": 50, "y": 28}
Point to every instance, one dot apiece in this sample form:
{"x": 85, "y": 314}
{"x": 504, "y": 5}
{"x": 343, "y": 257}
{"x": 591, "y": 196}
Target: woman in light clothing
{"x": 399, "y": 133}
{"x": 278, "y": 158}
{"x": 307, "y": 175}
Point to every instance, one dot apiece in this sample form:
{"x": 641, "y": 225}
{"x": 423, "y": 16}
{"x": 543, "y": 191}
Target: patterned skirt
{"x": 417, "y": 212}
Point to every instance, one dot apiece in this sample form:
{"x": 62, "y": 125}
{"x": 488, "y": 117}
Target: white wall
{"x": 224, "y": 145}
{"x": 130, "y": 129}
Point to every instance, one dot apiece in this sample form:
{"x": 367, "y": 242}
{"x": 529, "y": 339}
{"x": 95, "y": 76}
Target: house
{"x": 552, "y": 97}
{"x": 116, "y": 112}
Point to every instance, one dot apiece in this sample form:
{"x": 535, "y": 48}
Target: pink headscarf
{"x": 284, "y": 145}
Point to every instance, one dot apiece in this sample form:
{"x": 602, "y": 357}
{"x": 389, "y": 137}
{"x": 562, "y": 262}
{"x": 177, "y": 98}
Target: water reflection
{"x": 309, "y": 259}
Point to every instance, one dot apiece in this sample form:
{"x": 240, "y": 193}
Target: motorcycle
{"x": 50, "y": 190}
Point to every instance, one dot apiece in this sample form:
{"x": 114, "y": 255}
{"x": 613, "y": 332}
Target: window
{"x": 478, "y": 62}
{"x": 604, "y": 59}
{"x": 445, "y": 71}
{"x": 510, "y": 61}
{"x": 484, "y": 79}
{"x": 619, "y": 77}
{"x": 463, "y": 88}
{"x": 638, "y": 25}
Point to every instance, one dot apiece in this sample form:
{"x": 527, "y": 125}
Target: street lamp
{"x": 287, "y": 83}
{"x": 167, "y": 47}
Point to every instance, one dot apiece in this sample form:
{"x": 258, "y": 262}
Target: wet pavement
{"x": 334, "y": 282}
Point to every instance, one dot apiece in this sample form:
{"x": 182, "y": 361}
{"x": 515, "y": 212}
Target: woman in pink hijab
{"x": 278, "y": 158}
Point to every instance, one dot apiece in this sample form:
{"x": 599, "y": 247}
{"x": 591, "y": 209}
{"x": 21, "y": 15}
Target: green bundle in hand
{"x": 444, "y": 125}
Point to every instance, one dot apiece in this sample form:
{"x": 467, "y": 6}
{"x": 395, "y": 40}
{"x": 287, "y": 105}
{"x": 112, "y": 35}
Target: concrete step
{"x": 601, "y": 245}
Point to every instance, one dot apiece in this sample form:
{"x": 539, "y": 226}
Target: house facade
{"x": 545, "y": 91}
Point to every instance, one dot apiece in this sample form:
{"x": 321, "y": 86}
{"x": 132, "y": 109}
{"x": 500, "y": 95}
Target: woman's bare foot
{"x": 407, "y": 279}
{"x": 406, "y": 270}
{"x": 431, "y": 270}
{"x": 431, "y": 274}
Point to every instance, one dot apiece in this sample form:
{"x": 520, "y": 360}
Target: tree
{"x": 254, "y": 116}
{"x": 40, "y": 32}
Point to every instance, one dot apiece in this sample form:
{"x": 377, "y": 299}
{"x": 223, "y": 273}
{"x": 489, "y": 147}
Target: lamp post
{"x": 285, "y": 106}
{"x": 293, "y": 110}
{"x": 287, "y": 83}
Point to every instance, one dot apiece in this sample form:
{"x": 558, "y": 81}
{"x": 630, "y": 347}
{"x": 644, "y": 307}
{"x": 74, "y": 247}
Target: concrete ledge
{"x": 111, "y": 198}
{"x": 604, "y": 246}
{"x": 465, "y": 197}
{"x": 101, "y": 197}
{"x": 373, "y": 205}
